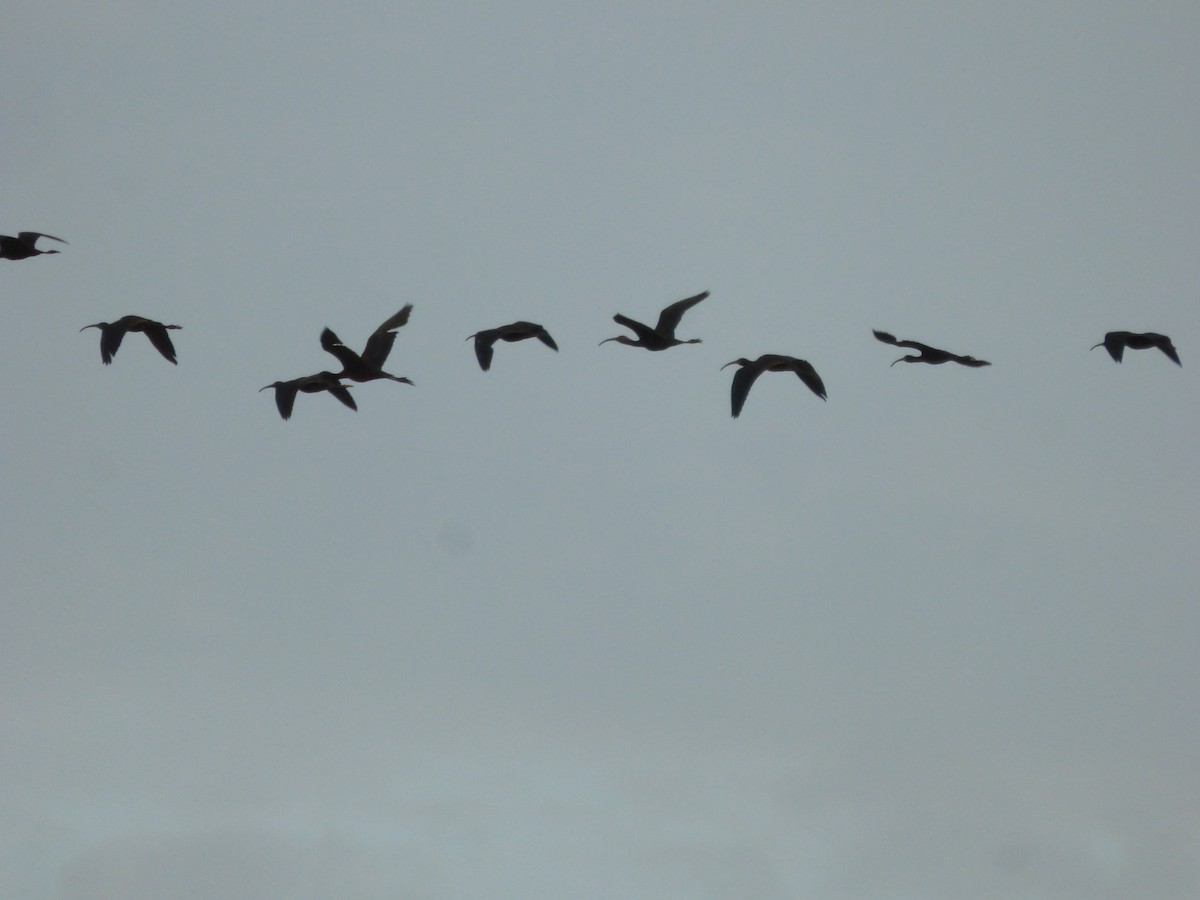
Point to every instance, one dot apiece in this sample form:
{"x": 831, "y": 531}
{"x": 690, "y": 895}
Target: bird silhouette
{"x": 112, "y": 333}
{"x": 661, "y": 336}
{"x": 369, "y": 366}
{"x": 1115, "y": 343}
{"x": 285, "y": 391}
{"x": 517, "y": 331}
{"x": 23, "y": 245}
{"x": 931, "y": 355}
{"x": 745, "y": 377}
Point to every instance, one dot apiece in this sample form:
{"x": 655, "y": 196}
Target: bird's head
{"x": 620, "y": 339}
{"x": 94, "y": 325}
{"x": 1094, "y": 346}
{"x": 740, "y": 361}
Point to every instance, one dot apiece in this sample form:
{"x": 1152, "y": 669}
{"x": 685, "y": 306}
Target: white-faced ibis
{"x": 931, "y": 355}
{"x": 1115, "y": 343}
{"x": 369, "y": 366}
{"x": 285, "y": 391}
{"x": 661, "y": 336}
{"x": 23, "y": 245}
{"x": 517, "y": 331}
{"x": 744, "y": 378}
{"x": 112, "y": 333}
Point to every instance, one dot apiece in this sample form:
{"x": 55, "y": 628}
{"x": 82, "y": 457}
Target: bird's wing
{"x": 1115, "y": 347}
{"x": 544, "y": 336}
{"x": 743, "y": 379}
{"x": 331, "y": 343}
{"x": 484, "y": 349}
{"x": 379, "y": 344}
{"x": 285, "y": 398}
{"x": 31, "y": 237}
{"x": 110, "y": 342}
{"x": 1168, "y": 348}
{"x": 340, "y": 391}
{"x": 642, "y": 331}
{"x": 809, "y": 376}
{"x": 912, "y": 345}
{"x": 161, "y": 340}
{"x": 669, "y": 318}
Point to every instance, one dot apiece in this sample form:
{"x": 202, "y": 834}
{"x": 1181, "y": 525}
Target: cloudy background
{"x": 565, "y": 628}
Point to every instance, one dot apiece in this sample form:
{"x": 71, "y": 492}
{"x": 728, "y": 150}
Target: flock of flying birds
{"x": 368, "y": 366}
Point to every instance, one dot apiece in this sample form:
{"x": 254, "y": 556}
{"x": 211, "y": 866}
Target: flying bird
{"x": 285, "y": 391}
{"x": 369, "y": 366}
{"x": 662, "y": 335}
{"x": 23, "y": 245}
{"x": 112, "y": 333}
{"x": 744, "y": 378}
{"x": 517, "y": 331}
{"x": 931, "y": 355}
{"x": 1115, "y": 343}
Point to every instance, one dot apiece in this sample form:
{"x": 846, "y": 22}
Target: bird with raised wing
{"x": 662, "y": 335}
{"x": 1115, "y": 343}
{"x": 368, "y": 366}
{"x": 24, "y": 244}
{"x": 517, "y": 331}
{"x": 112, "y": 333}
{"x": 745, "y": 377}
{"x": 285, "y": 391}
{"x": 931, "y": 355}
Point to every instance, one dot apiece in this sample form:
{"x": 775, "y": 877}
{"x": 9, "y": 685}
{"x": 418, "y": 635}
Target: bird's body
{"x": 112, "y": 333}
{"x": 368, "y": 366}
{"x": 24, "y": 245}
{"x": 285, "y": 391}
{"x": 1115, "y": 343}
{"x": 517, "y": 331}
{"x": 745, "y": 377}
{"x": 662, "y": 335}
{"x": 931, "y": 355}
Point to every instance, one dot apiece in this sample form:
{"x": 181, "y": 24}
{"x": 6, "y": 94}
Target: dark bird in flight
{"x": 931, "y": 355}
{"x": 369, "y": 366}
{"x": 22, "y": 246}
{"x": 112, "y": 333}
{"x": 661, "y": 336}
{"x": 517, "y": 331}
{"x": 744, "y": 378}
{"x": 1115, "y": 343}
{"x": 285, "y": 391}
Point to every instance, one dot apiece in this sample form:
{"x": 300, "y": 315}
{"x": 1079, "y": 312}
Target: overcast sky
{"x": 565, "y": 628}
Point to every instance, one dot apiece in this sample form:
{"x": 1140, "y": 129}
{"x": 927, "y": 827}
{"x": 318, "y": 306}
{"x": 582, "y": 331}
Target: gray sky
{"x": 565, "y": 628}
